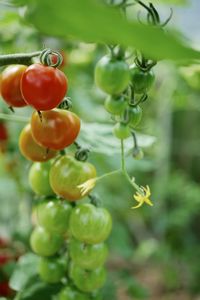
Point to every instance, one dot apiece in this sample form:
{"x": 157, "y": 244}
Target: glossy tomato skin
{"x": 52, "y": 270}
{"x": 39, "y": 178}
{"x": 112, "y": 76}
{"x": 88, "y": 257}
{"x": 67, "y": 174}
{"x": 54, "y": 215}
{"x": 142, "y": 81}
{"x": 89, "y": 224}
{"x": 135, "y": 115}
{"x": 70, "y": 293}
{"x": 87, "y": 281}
{"x": 30, "y": 149}
{"x": 10, "y": 85}
{"x": 43, "y": 87}
{"x": 45, "y": 243}
{"x": 58, "y": 129}
{"x": 115, "y": 105}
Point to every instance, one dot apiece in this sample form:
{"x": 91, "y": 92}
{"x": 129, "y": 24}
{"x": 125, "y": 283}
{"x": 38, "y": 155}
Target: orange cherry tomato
{"x": 10, "y": 85}
{"x": 30, "y": 149}
{"x": 56, "y": 129}
{"x": 43, "y": 87}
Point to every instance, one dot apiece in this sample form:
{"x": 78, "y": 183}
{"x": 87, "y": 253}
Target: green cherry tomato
{"x": 39, "y": 178}
{"x": 45, "y": 243}
{"x": 121, "y": 131}
{"x": 67, "y": 173}
{"x": 90, "y": 224}
{"x": 52, "y": 270}
{"x": 135, "y": 115}
{"x": 71, "y": 293}
{"x": 112, "y": 76}
{"x": 54, "y": 215}
{"x": 142, "y": 81}
{"x": 87, "y": 281}
{"x": 138, "y": 153}
{"x": 115, "y": 105}
{"x": 86, "y": 256}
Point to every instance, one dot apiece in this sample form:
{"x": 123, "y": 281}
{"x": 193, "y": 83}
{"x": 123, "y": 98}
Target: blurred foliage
{"x": 162, "y": 241}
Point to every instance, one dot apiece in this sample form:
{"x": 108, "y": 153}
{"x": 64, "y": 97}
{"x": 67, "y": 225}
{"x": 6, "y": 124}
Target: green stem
{"x": 124, "y": 171}
{"x": 109, "y": 174}
{"x": 18, "y": 58}
{"x": 13, "y": 118}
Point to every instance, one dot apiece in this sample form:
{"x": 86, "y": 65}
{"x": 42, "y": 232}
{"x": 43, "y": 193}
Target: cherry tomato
{"x": 115, "y": 105}
{"x": 70, "y": 293}
{"x": 10, "y": 85}
{"x": 111, "y": 75}
{"x": 30, "y": 149}
{"x": 135, "y": 115}
{"x": 3, "y": 137}
{"x": 45, "y": 243}
{"x": 43, "y": 87}
{"x": 52, "y": 270}
{"x": 39, "y": 178}
{"x": 57, "y": 130}
{"x": 121, "y": 131}
{"x": 138, "y": 153}
{"x": 67, "y": 173}
{"x": 87, "y": 281}
{"x": 54, "y": 215}
{"x": 90, "y": 224}
{"x": 142, "y": 81}
{"x": 88, "y": 257}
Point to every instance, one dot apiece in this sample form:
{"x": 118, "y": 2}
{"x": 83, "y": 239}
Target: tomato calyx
{"x": 46, "y": 58}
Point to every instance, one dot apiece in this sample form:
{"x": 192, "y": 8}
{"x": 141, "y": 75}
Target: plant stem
{"x": 13, "y": 118}
{"x": 18, "y": 58}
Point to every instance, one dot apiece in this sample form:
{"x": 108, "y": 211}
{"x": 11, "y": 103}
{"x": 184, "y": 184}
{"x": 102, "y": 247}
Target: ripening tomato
{"x": 87, "y": 281}
{"x": 10, "y": 85}
{"x": 90, "y": 224}
{"x": 43, "y": 87}
{"x": 67, "y": 173}
{"x": 88, "y": 257}
{"x": 54, "y": 215}
{"x": 39, "y": 178}
{"x": 71, "y": 293}
{"x": 45, "y": 243}
{"x": 30, "y": 149}
{"x": 57, "y": 129}
{"x": 142, "y": 81}
{"x": 52, "y": 270}
{"x": 112, "y": 75}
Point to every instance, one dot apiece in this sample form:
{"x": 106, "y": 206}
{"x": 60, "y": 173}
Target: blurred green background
{"x": 154, "y": 252}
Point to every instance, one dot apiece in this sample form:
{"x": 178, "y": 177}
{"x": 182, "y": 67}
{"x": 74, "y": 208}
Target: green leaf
{"x": 99, "y": 139}
{"x": 91, "y": 21}
{"x": 26, "y": 268}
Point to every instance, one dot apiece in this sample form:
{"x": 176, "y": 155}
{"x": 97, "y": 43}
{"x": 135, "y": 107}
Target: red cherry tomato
{"x": 3, "y": 132}
{"x": 10, "y": 85}
{"x": 30, "y": 149}
{"x": 43, "y": 87}
{"x": 57, "y": 130}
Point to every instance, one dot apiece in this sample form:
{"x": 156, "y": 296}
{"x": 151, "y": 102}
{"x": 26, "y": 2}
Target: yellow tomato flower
{"x": 143, "y": 197}
{"x": 87, "y": 186}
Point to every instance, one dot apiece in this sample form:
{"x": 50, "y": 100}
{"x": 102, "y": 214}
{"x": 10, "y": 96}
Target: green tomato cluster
{"x": 78, "y": 232}
{"x": 114, "y": 76}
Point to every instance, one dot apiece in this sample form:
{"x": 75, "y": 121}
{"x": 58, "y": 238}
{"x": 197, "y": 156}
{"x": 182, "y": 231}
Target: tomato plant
{"x": 30, "y": 149}
{"x": 10, "y": 85}
{"x": 90, "y": 224}
{"x": 43, "y": 87}
{"x": 54, "y": 215}
{"x": 39, "y": 178}
{"x": 45, "y": 243}
{"x": 88, "y": 257}
{"x": 112, "y": 75}
{"x": 67, "y": 173}
{"x": 62, "y": 126}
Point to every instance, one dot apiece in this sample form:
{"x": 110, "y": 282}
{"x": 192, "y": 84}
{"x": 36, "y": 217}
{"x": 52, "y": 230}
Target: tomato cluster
{"x": 68, "y": 237}
{"x": 114, "y": 77}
